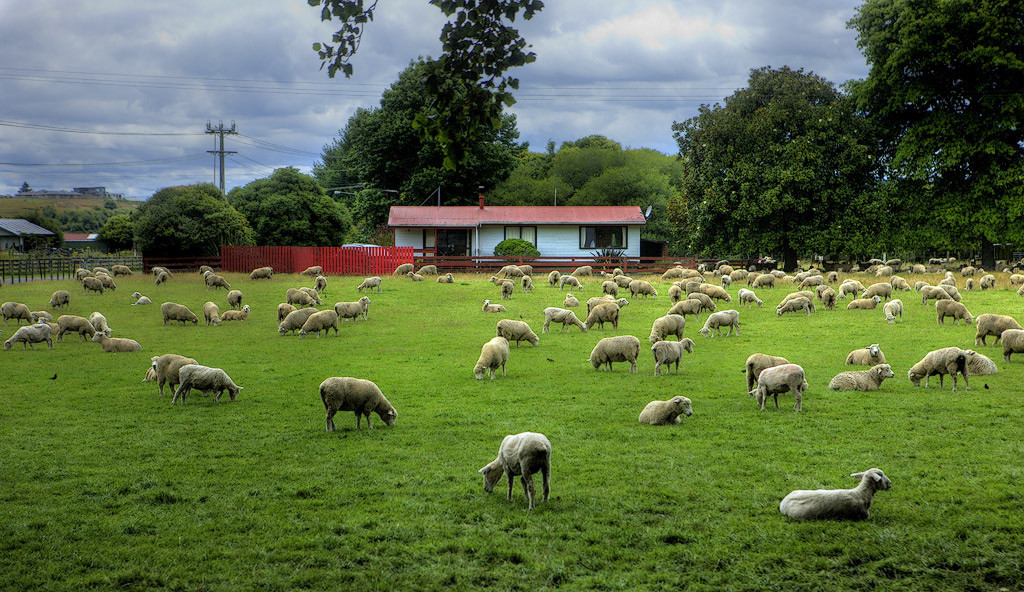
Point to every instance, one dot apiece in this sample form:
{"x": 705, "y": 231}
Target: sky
{"x": 118, "y": 93}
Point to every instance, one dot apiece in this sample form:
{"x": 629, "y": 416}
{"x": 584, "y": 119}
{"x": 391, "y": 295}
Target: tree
{"x": 46, "y": 218}
{"x": 947, "y": 84}
{"x": 466, "y": 89}
{"x": 118, "y": 232}
{"x": 188, "y": 221}
{"x": 24, "y": 188}
{"x": 291, "y": 209}
{"x": 783, "y": 167}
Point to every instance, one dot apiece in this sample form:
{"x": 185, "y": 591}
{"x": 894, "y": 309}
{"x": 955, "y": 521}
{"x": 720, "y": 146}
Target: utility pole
{"x": 220, "y": 131}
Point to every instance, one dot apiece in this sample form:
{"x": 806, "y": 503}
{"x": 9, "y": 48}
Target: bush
{"x": 515, "y": 247}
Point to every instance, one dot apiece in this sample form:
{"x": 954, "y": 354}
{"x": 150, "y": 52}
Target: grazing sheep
{"x": 261, "y": 273}
{"x": 215, "y": 281}
{"x": 236, "y": 315}
{"x": 121, "y": 270}
{"x": 675, "y": 293}
{"x": 569, "y": 280}
{"x": 780, "y": 379}
{"x": 497, "y": 281}
{"x": 717, "y": 320}
{"x": 666, "y": 412}
{"x": 864, "y": 303}
{"x": 993, "y": 324}
{"x": 162, "y": 278}
{"x": 950, "y": 281}
{"x": 871, "y": 355}
{"x": 644, "y": 289}
{"x": 370, "y": 283}
{"x": 507, "y": 288}
{"x": 324, "y": 320}
{"x": 30, "y": 334}
{"x": 795, "y": 304}
{"x": 715, "y": 292}
{"x": 414, "y": 276}
{"x": 283, "y": 310}
{"x": 688, "y": 306}
{"x": 1020, "y": 291}
{"x": 592, "y": 302}
{"x": 205, "y": 379}
{"x": 899, "y": 283}
{"x": 602, "y": 313}
{"x": 511, "y": 271}
{"x": 74, "y": 324}
{"x": 967, "y": 271}
{"x": 611, "y": 288}
{"x": 403, "y": 269}
{"x": 811, "y": 281}
{"x": 60, "y": 299}
{"x": 488, "y": 307}
{"x": 517, "y": 331}
{"x": 312, "y": 271}
{"x": 980, "y": 364}
{"x": 526, "y": 269}
{"x": 667, "y": 352}
{"x": 836, "y": 504}
{"x": 1016, "y": 279}
{"x": 235, "y": 299}
{"x": 493, "y": 354}
{"x": 295, "y": 320}
{"x": 723, "y": 269}
{"x": 567, "y": 318}
{"x": 766, "y": 280}
{"x": 43, "y": 315}
{"x": 448, "y": 279}
{"x": 570, "y": 301}
{"x": 622, "y": 348}
{"x": 527, "y": 283}
{"x": 919, "y": 285}
{"x": 1013, "y": 342}
{"x": 949, "y": 308}
{"x": 140, "y": 299}
{"x": 353, "y": 310}
{"x": 165, "y": 370}
{"x": 757, "y": 363}
{"x": 107, "y": 281}
{"x": 312, "y": 294}
{"x": 178, "y": 312}
{"x": 832, "y": 277}
{"x": 893, "y": 309}
{"x": 81, "y": 274}
{"x": 320, "y": 284}
{"x": 706, "y": 302}
{"x": 948, "y": 360}
{"x": 17, "y": 311}
{"x": 99, "y": 322}
{"x": 969, "y": 284}
{"x": 828, "y": 298}
{"x": 671, "y": 324}
{"x": 583, "y": 271}
{"x": 92, "y": 283}
{"x": 883, "y": 271}
{"x": 114, "y": 344}
{"x": 739, "y": 275}
{"x": 861, "y": 380}
{"x": 726, "y": 281}
{"x": 952, "y": 291}
{"x": 748, "y": 297}
{"x": 671, "y": 274}
{"x": 157, "y": 270}
{"x": 553, "y": 278}
{"x": 881, "y": 289}
{"x": 622, "y": 280}
{"x": 298, "y": 297}
{"x": 521, "y": 454}
{"x": 802, "y": 294}
{"x": 933, "y": 293}
{"x": 428, "y": 270}
{"x": 362, "y": 397}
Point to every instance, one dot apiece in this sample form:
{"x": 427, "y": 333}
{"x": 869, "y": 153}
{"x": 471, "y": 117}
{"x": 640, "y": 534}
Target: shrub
{"x": 515, "y": 247}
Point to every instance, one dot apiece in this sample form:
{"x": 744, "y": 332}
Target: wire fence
{"x": 13, "y": 271}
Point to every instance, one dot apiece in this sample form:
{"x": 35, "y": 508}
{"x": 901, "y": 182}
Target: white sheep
{"x": 1013, "y": 342}
{"x": 261, "y": 273}
{"x": 866, "y": 356}
{"x": 60, "y": 299}
{"x": 527, "y": 283}
{"x": 864, "y": 303}
{"x": 369, "y": 283}
{"x": 569, "y": 280}
{"x": 511, "y": 271}
{"x": 980, "y": 364}
{"x": 583, "y": 271}
{"x": 952, "y": 291}
{"x": 795, "y": 305}
{"x": 521, "y": 454}
{"x": 206, "y": 380}
{"x": 567, "y": 318}
{"x": 688, "y": 306}
{"x": 507, "y": 288}
{"x": 748, "y": 297}
{"x": 448, "y": 279}
{"x": 312, "y": 271}
{"x": 113, "y": 344}
{"x": 780, "y": 379}
{"x": 603, "y": 313}
{"x": 165, "y": 370}
{"x": 38, "y": 315}
{"x": 414, "y": 276}
{"x": 215, "y": 281}
{"x": 987, "y": 282}
{"x": 74, "y": 324}
{"x": 211, "y": 314}
{"x": 172, "y": 311}
{"x": 403, "y": 269}
{"x": 570, "y": 301}
{"x": 622, "y": 280}
{"x": 765, "y": 280}
{"x": 948, "y": 360}
{"x": 235, "y": 299}
{"x": 675, "y": 293}
{"x": 643, "y": 288}
{"x": 933, "y": 293}
{"x": 667, "y": 352}
{"x": 899, "y": 283}
{"x": 353, "y": 310}
{"x": 951, "y": 308}
{"x": 553, "y": 278}
{"x": 121, "y": 270}
{"x": 811, "y": 281}
{"x": 325, "y": 320}
{"x": 283, "y": 310}
{"x": 893, "y": 309}
{"x": 714, "y": 291}
{"x": 295, "y": 320}
{"x": 861, "y": 380}
{"x": 488, "y": 307}
{"x": 526, "y": 269}
{"x": 836, "y": 504}
{"x": 140, "y": 299}
{"x": 623, "y": 348}
{"x": 517, "y": 331}
{"x": 99, "y": 322}
{"x": 16, "y": 311}
{"x": 757, "y": 363}
{"x": 362, "y": 397}
{"x": 299, "y": 297}
{"x": 722, "y": 318}
{"x": 705, "y": 301}
{"x": 236, "y": 315}
{"x": 667, "y": 325}
{"x": 30, "y": 334}
{"x": 993, "y": 324}
{"x": 611, "y": 288}
{"x": 493, "y": 354}
{"x": 666, "y": 412}
{"x": 161, "y": 278}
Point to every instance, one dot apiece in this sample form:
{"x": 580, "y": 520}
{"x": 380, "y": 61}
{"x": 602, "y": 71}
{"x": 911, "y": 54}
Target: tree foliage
{"x": 289, "y": 208}
{"x": 188, "y": 221}
{"x": 515, "y": 247}
{"x": 118, "y": 232}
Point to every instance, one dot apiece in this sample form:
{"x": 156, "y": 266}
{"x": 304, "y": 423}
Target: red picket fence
{"x": 334, "y": 260}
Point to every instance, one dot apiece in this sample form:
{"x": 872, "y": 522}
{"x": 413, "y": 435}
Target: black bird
{"x": 986, "y": 385}
{"x": 550, "y": 360}
{"x": 54, "y": 377}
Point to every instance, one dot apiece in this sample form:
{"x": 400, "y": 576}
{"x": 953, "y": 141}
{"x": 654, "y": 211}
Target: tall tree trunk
{"x": 789, "y": 256}
{"x": 988, "y": 254}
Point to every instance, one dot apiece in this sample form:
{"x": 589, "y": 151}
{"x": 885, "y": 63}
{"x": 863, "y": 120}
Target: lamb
{"x": 517, "y": 331}
{"x": 757, "y": 363}
{"x": 140, "y": 299}
{"x": 178, "y": 312}
{"x": 353, "y": 310}
{"x": 428, "y": 270}
{"x": 527, "y": 283}
{"x": 261, "y": 273}
{"x": 780, "y": 379}
{"x": 16, "y": 311}
{"x": 448, "y": 279}
{"x": 283, "y": 310}
{"x": 794, "y": 305}
{"x": 60, "y": 299}
{"x": 715, "y": 292}
{"x": 950, "y": 308}
{"x": 864, "y": 303}
{"x": 1013, "y": 342}
{"x": 488, "y": 307}
{"x": 320, "y": 284}
{"x": 717, "y": 320}
{"x": 298, "y": 297}
{"x": 99, "y": 322}
{"x": 507, "y": 288}
{"x": 766, "y": 280}
{"x": 899, "y": 283}
{"x": 979, "y": 364}
{"x": 362, "y": 397}
{"x": 602, "y": 313}
{"x": 323, "y": 320}
{"x": 836, "y": 504}
{"x": 30, "y": 334}
{"x": 571, "y": 281}
{"x": 113, "y": 344}
{"x": 567, "y": 318}
{"x": 92, "y": 283}
{"x": 312, "y": 271}
{"x": 893, "y": 309}
{"x": 570, "y": 301}
{"x": 933, "y": 293}
{"x": 521, "y": 454}
{"x": 414, "y": 276}
{"x": 871, "y": 355}
{"x": 236, "y": 315}
{"x": 611, "y": 288}
{"x": 667, "y": 352}
{"x": 370, "y": 283}
{"x": 948, "y": 360}
{"x": 644, "y": 289}
{"x": 162, "y": 278}
{"x": 583, "y": 271}
{"x": 667, "y": 325}
{"x": 688, "y": 306}
{"x": 493, "y": 354}
{"x": 295, "y": 320}
{"x": 622, "y": 348}
{"x": 993, "y": 324}
{"x": 553, "y": 278}
{"x": 861, "y": 380}
{"x": 748, "y": 297}
{"x": 706, "y": 302}
{"x": 403, "y": 269}
{"x": 74, "y": 324}
{"x": 235, "y": 299}
{"x": 215, "y": 281}
{"x": 882, "y": 289}
{"x": 205, "y": 379}
{"x": 666, "y": 412}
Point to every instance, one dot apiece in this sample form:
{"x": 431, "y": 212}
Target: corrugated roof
{"x": 80, "y": 236}
{"x": 19, "y": 227}
{"x": 473, "y": 216}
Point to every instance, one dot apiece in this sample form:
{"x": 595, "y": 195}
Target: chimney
{"x": 481, "y": 189}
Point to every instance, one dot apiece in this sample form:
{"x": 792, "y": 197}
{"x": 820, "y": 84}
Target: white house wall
{"x": 552, "y": 240}
{"x": 409, "y": 237}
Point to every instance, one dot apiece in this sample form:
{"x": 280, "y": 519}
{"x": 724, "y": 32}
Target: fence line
{"x": 333, "y": 260}
{"x": 55, "y": 268}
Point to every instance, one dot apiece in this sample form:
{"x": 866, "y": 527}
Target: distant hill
{"x": 76, "y": 214}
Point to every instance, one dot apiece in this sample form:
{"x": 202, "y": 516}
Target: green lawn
{"x": 104, "y": 485}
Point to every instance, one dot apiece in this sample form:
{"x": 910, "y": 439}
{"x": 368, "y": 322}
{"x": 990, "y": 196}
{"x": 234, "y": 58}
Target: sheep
{"x": 353, "y": 310}
{"x": 948, "y": 360}
{"x": 30, "y": 334}
{"x": 864, "y": 303}
{"x": 884, "y": 271}
{"x": 689, "y": 287}
{"x": 157, "y": 270}
{"x": 933, "y": 293}
{"x": 511, "y": 271}
{"x": 811, "y": 281}
{"x": 622, "y": 280}
{"x": 497, "y": 281}
{"x": 178, "y": 312}
{"x": 828, "y": 298}
{"x": 521, "y": 454}
{"x": 203, "y": 269}
{"x": 205, "y": 379}
{"x": 403, "y": 269}
{"x": 370, "y": 283}
{"x": 261, "y": 273}
{"x": 766, "y": 280}
{"x": 753, "y": 275}
{"x": 602, "y": 313}
{"x": 969, "y": 284}
{"x": 832, "y": 277}
{"x": 215, "y": 281}
{"x": 671, "y": 274}
{"x": 1013, "y": 342}
{"x": 688, "y": 306}
{"x": 899, "y": 283}
{"x": 717, "y": 320}
{"x": 893, "y": 309}
{"x": 836, "y": 504}
{"x": 553, "y": 278}
{"x": 570, "y": 301}
{"x": 592, "y": 302}
{"x": 493, "y": 354}
{"x": 644, "y": 289}
{"x": 666, "y": 412}
{"x": 507, "y": 288}
{"x": 162, "y": 278}
{"x": 236, "y": 315}
{"x": 517, "y": 331}
{"x": 871, "y": 355}
{"x": 571, "y": 281}
{"x": 954, "y": 294}
{"x": 428, "y": 270}
{"x": 99, "y": 322}
{"x": 919, "y": 285}
{"x": 526, "y": 269}
{"x": 323, "y": 320}
{"x": 320, "y": 284}
{"x": 622, "y": 348}
{"x": 667, "y": 352}
{"x": 671, "y": 324}
{"x": 43, "y": 315}
{"x": 795, "y": 304}
{"x": 802, "y": 294}
{"x": 706, "y": 302}
{"x": 675, "y": 293}
{"x": 140, "y": 299}
{"x": 81, "y": 274}
{"x": 113, "y": 344}
{"x": 107, "y": 281}
{"x": 92, "y": 283}
{"x": 949, "y": 281}
{"x": 74, "y": 324}
{"x": 949, "y": 308}
{"x": 567, "y": 318}
{"x": 993, "y": 324}
{"x": 527, "y": 283}
{"x": 313, "y": 294}
{"x": 1016, "y": 279}
{"x": 1020, "y": 291}
{"x": 488, "y": 307}
{"x": 778, "y": 273}
{"x": 757, "y": 363}
{"x": 881, "y": 289}
{"x": 362, "y": 397}
{"x": 60, "y": 299}
{"x": 283, "y": 310}
{"x": 312, "y": 271}
{"x": 739, "y": 275}
{"x": 235, "y": 299}
{"x": 611, "y": 288}
{"x": 298, "y": 297}
{"x": 583, "y": 271}
{"x": 724, "y": 269}
{"x": 979, "y": 364}
{"x": 861, "y": 380}
{"x": 165, "y": 370}
{"x": 413, "y": 276}
{"x": 448, "y": 279}
{"x": 715, "y": 292}
{"x": 16, "y": 311}
{"x": 748, "y": 297}
{"x": 967, "y": 271}
{"x": 294, "y": 321}
{"x": 780, "y": 379}
{"x": 918, "y": 268}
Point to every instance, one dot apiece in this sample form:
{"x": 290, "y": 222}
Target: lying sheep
{"x": 403, "y": 269}
{"x": 871, "y": 355}
{"x": 517, "y": 331}
{"x": 324, "y": 320}
{"x": 140, "y": 299}
{"x": 493, "y": 355}
{"x": 74, "y": 324}
{"x": 205, "y": 379}
{"x": 882, "y": 290}
{"x": 283, "y": 310}
{"x": 99, "y": 322}
{"x": 602, "y": 313}
{"x": 688, "y": 306}
{"x": 261, "y": 273}
{"x": 893, "y": 309}
{"x": 60, "y": 299}
{"x": 950, "y": 308}
{"x": 414, "y": 276}
{"x": 623, "y": 348}
{"x": 236, "y": 315}
{"x": 748, "y": 297}
{"x": 979, "y": 364}
{"x": 570, "y": 301}
{"x": 507, "y": 289}
{"x": 644, "y": 289}
{"x": 836, "y": 504}
{"x": 92, "y": 283}
{"x": 353, "y": 310}
{"x": 312, "y": 271}
{"x": 1013, "y": 342}
{"x": 780, "y": 379}
{"x": 567, "y": 318}
{"x": 448, "y": 279}
{"x": 165, "y": 369}
{"x": 16, "y": 311}
{"x": 298, "y": 297}
{"x": 428, "y": 270}
{"x": 114, "y": 344}
{"x": 521, "y": 454}
{"x": 553, "y": 278}
{"x": 295, "y": 320}
{"x": 611, "y": 288}
{"x": 861, "y": 380}
{"x": 933, "y": 293}
{"x": 370, "y": 283}
{"x": 671, "y": 324}
{"x": 864, "y": 303}
{"x": 235, "y": 299}
{"x": 569, "y": 280}
{"x": 666, "y": 412}
{"x": 667, "y": 352}
{"x": 488, "y": 307}
{"x": 993, "y": 324}
{"x": 757, "y": 363}
{"x": 948, "y": 360}
{"x": 795, "y": 305}
{"x": 162, "y": 278}
{"x": 717, "y": 320}
{"x": 178, "y": 312}
{"x": 30, "y": 334}
{"x": 362, "y": 397}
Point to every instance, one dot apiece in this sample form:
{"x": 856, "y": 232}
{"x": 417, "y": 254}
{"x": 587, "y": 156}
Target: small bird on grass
{"x": 54, "y": 377}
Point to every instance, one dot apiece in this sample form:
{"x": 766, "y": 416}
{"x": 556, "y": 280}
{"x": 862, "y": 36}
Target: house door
{"x": 452, "y": 242}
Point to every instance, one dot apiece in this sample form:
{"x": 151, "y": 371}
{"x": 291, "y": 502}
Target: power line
{"x": 53, "y": 128}
{"x": 96, "y": 164}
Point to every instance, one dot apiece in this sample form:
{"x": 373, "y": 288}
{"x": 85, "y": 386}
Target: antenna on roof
{"x": 647, "y": 214}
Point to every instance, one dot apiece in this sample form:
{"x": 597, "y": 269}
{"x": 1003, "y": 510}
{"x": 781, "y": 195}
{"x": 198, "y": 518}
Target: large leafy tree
{"x": 467, "y": 88}
{"x": 188, "y": 221}
{"x": 118, "y": 232}
{"x": 784, "y": 167}
{"x": 947, "y": 85}
{"x": 290, "y": 208}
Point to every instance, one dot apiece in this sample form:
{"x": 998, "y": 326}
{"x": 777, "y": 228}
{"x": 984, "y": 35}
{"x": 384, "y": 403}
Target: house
{"x": 556, "y": 231}
{"x": 14, "y": 231}
{"x": 84, "y": 240}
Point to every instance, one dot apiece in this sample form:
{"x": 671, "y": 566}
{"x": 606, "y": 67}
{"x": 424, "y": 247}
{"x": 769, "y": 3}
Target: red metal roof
{"x": 473, "y": 216}
{"x": 80, "y": 236}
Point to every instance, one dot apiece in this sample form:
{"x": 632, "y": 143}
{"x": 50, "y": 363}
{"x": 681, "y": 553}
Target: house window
{"x": 428, "y": 238}
{"x": 601, "y": 237}
{"x": 526, "y": 233}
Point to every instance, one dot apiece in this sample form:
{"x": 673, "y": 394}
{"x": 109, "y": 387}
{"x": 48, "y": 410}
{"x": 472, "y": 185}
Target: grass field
{"x": 104, "y": 485}
{"x": 18, "y": 207}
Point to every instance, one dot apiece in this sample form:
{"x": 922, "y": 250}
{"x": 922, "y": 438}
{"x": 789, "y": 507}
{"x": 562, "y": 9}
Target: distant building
{"x": 14, "y": 231}
{"x": 84, "y": 240}
{"x": 77, "y": 192}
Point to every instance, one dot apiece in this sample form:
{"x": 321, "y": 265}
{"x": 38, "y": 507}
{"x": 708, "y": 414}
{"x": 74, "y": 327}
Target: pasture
{"x": 104, "y": 485}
